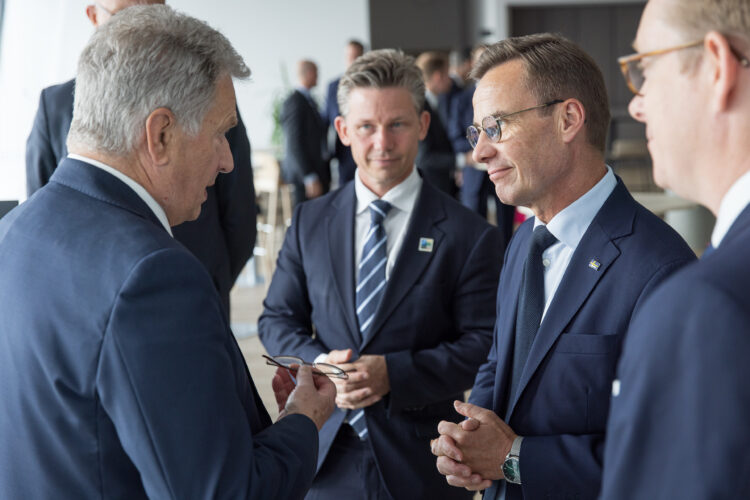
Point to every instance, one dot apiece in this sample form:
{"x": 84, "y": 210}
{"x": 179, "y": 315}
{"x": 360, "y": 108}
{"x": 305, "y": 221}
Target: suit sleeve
{"x": 40, "y": 157}
{"x": 172, "y": 382}
{"x": 574, "y": 462}
{"x": 236, "y": 197}
{"x": 422, "y": 377}
{"x": 679, "y": 424}
{"x": 298, "y": 150}
{"x": 285, "y": 327}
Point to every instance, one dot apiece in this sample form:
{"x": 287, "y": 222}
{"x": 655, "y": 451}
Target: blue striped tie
{"x": 370, "y": 288}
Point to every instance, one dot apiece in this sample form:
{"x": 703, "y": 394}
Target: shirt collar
{"x": 403, "y": 196}
{"x": 733, "y": 203}
{"x": 432, "y": 99}
{"x": 571, "y": 223}
{"x": 139, "y": 190}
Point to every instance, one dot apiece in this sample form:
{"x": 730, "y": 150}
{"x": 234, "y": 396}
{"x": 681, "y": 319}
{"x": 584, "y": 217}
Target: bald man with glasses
{"x": 572, "y": 277}
{"x": 223, "y": 237}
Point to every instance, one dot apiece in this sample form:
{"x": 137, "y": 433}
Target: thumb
{"x": 472, "y": 411}
{"x": 339, "y": 356}
{"x": 304, "y": 377}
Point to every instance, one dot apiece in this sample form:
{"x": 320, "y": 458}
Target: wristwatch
{"x": 511, "y": 469}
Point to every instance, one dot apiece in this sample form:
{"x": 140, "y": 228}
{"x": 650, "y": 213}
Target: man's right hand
{"x": 314, "y": 397}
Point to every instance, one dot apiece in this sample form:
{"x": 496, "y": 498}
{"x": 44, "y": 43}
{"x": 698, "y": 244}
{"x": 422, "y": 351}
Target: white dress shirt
{"x": 568, "y": 227}
{"x": 402, "y": 199}
{"x": 733, "y": 203}
{"x": 139, "y": 190}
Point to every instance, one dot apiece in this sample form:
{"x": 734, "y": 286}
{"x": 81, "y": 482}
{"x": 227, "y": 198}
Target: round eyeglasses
{"x": 291, "y": 363}
{"x": 493, "y": 125}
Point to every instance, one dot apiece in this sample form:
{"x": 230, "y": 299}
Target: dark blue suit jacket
{"x": 222, "y": 237}
{"x": 434, "y": 324}
{"x": 435, "y": 157}
{"x": 563, "y": 395}
{"x": 341, "y": 152}
{"x": 120, "y": 376}
{"x": 679, "y": 426}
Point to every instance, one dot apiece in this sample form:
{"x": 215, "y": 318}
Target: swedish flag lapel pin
{"x": 594, "y": 264}
{"x": 425, "y": 244}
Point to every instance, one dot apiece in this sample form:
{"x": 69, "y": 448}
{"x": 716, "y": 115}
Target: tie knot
{"x": 378, "y": 210}
{"x": 542, "y": 239}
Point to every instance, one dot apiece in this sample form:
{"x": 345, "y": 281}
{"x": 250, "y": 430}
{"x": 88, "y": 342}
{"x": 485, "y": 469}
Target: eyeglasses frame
{"x": 625, "y": 61}
{"x": 338, "y": 372}
{"x": 499, "y": 118}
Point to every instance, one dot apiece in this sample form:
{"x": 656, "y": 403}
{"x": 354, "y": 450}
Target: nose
{"x": 381, "y": 139}
{"x": 226, "y": 161}
{"x": 635, "y": 108}
{"x": 484, "y": 149}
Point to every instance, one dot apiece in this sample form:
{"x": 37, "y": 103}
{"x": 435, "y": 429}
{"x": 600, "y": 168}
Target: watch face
{"x": 510, "y": 470}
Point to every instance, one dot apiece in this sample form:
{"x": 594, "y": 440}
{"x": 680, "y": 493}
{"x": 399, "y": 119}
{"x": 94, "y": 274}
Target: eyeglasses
{"x": 98, "y": 4}
{"x": 632, "y": 67}
{"x": 289, "y": 362}
{"x": 492, "y": 125}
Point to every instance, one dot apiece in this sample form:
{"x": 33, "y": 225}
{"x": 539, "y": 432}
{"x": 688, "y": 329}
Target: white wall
{"x": 42, "y": 39}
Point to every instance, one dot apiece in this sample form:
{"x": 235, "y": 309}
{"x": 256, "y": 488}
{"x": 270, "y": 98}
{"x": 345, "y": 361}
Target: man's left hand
{"x": 367, "y": 383}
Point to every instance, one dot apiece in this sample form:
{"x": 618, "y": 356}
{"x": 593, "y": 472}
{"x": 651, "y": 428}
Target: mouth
{"x": 498, "y": 172}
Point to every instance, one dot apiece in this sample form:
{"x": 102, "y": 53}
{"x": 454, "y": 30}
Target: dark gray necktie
{"x": 530, "y": 302}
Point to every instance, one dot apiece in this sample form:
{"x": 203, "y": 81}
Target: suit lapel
{"x": 411, "y": 262}
{"x": 340, "y": 235}
{"x": 614, "y": 220}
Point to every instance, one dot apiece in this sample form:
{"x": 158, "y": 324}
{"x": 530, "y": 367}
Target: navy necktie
{"x": 370, "y": 288}
{"x": 530, "y": 303}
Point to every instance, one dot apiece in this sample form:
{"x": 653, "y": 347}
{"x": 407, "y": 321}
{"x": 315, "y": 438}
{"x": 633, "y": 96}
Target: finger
{"x": 473, "y": 411}
{"x": 448, "y": 467}
{"x": 304, "y": 377}
{"x": 339, "y": 356}
{"x": 473, "y": 483}
{"x": 469, "y": 424}
{"x": 446, "y": 446}
{"x": 355, "y": 405}
{"x": 445, "y": 427}
{"x": 356, "y": 396}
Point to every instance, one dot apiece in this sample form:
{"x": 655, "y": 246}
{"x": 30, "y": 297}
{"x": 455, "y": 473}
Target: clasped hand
{"x": 367, "y": 380}
{"x": 470, "y": 454}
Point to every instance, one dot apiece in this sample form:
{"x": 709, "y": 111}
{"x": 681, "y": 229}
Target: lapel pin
{"x": 595, "y": 265}
{"x": 425, "y": 244}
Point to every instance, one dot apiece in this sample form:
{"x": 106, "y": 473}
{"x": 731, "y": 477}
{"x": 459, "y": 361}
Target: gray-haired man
{"x": 120, "y": 376}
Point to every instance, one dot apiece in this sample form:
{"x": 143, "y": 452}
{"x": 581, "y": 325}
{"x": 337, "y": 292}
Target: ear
{"x": 342, "y": 130}
{"x": 160, "y": 135}
{"x": 424, "y": 124}
{"x": 572, "y": 117}
{"x": 722, "y": 67}
{"x": 91, "y": 14}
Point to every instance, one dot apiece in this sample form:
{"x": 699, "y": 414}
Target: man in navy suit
{"x": 392, "y": 280}
{"x": 681, "y": 405}
{"x": 120, "y": 375}
{"x": 305, "y": 163}
{"x": 342, "y": 153}
{"x": 538, "y": 409}
{"x": 222, "y": 237}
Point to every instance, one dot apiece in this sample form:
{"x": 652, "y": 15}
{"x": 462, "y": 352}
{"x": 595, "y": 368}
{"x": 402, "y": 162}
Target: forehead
{"x": 501, "y": 89}
{"x": 380, "y": 103}
{"x": 654, "y": 31}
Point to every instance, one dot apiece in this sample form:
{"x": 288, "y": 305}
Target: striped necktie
{"x": 370, "y": 288}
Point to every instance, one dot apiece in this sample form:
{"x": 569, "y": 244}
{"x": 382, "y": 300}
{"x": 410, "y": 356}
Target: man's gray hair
{"x": 382, "y": 69}
{"x": 144, "y": 58}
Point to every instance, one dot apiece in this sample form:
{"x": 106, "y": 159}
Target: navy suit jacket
{"x": 343, "y": 153}
{"x": 222, "y": 237}
{"x": 120, "y": 376}
{"x": 562, "y": 400}
{"x": 435, "y": 157}
{"x": 304, "y": 141}
{"x": 679, "y": 425}
{"x": 434, "y": 323}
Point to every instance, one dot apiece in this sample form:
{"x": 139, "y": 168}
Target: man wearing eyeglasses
{"x": 394, "y": 282}
{"x": 572, "y": 277}
{"x": 679, "y": 418}
{"x": 222, "y": 238}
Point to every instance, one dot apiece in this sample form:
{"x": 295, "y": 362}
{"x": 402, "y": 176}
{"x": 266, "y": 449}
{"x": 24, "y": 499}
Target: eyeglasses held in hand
{"x": 289, "y": 362}
{"x": 493, "y": 125}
